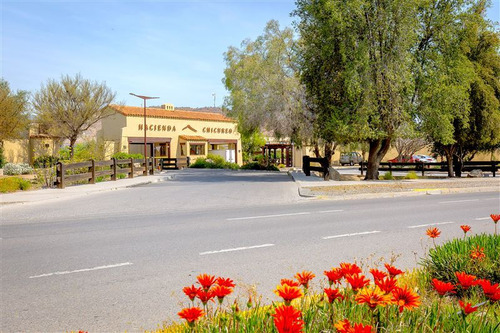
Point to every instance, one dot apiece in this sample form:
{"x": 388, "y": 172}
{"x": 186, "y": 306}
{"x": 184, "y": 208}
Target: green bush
{"x": 388, "y": 176}
{"x": 125, "y": 156}
{"x": 121, "y": 176}
{"x": 2, "y": 158}
{"x": 13, "y": 169}
{"x": 213, "y": 162}
{"x": 258, "y": 166}
{"x": 45, "y": 161}
{"x": 12, "y": 184}
{"x": 411, "y": 175}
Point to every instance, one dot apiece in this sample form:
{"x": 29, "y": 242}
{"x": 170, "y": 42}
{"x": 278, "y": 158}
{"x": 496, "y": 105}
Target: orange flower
{"x": 221, "y": 291}
{"x": 393, "y": 271}
{"x": 373, "y": 297}
{"x": 225, "y": 282}
{"x": 334, "y": 275}
{"x": 191, "y": 314}
{"x": 466, "y": 280}
{"x": 357, "y": 281}
{"x": 495, "y": 217}
{"x": 387, "y": 284}
{"x": 465, "y": 228}
{"x": 360, "y": 328}
{"x": 405, "y": 298}
{"x": 290, "y": 282}
{"x": 191, "y": 292}
{"x": 443, "y": 288}
{"x": 304, "y": 278}
{"x": 206, "y": 281}
{"x": 205, "y": 295}
{"x": 467, "y": 308}
{"x": 477, "y": 253}
{"x": 287, "y": 319}
{"x": 433, "y": 232}
{"x": 333, "y": 294}
{"x": 491, "y": 291}
{"x": 377, "y": 274}
{"x": 288, "y": 293}
{"x": 349, "y": 269}
{"x": 344, "y": 326}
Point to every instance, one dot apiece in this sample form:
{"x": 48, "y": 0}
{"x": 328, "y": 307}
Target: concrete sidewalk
{"x": 52, "y": 194}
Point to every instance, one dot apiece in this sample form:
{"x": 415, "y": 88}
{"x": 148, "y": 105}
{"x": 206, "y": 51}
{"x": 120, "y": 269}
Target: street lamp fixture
{"x": 144, "y": 98}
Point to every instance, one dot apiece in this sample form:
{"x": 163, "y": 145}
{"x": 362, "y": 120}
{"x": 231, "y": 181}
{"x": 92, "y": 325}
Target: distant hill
{"x": 210, "y": 109}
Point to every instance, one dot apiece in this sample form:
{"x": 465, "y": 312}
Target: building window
{"x": 196, "y": 149}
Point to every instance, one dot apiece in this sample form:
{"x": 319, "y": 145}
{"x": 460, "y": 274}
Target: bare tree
{"x": 72, "y": 106}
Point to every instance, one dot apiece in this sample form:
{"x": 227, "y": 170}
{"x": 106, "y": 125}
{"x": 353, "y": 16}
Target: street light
{"x": 144, "y": 98}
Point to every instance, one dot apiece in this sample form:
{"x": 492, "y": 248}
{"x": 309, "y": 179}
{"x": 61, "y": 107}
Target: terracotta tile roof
{"x": 192, "y": 138}
{"x": 176, "y": 114}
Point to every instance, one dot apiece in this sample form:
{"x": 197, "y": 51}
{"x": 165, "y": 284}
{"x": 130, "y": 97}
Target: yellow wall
{"x": 16, "y": 151}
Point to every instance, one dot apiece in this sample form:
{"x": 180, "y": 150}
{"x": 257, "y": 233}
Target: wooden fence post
{"x": 361, "y": 164}
{"x": 60, "y": 174}
{"x": 145, "y": 162}
{"x": 306, "y": 165}
{"x": 152, "y": 170}
{"x": 390, "y": 168}
{"x": 493, "y": 167}
{"x": 114, "y": 175}
{"x": 423, "y": 169}
{"x": 131, "y": 174}
{"x": 92, "y": 171}
{"x": 188, "y": 161}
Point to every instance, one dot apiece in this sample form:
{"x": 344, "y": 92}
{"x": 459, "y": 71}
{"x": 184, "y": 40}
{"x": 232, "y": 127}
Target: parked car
{"x": 351, "y": 158}
{"x": 403, "y": 160}
{"x": 424, "y": 158}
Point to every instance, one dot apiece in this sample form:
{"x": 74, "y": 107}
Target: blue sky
{"x": 170, "y": 49}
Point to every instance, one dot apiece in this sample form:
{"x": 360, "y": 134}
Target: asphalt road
{"x": 118, "y": 260}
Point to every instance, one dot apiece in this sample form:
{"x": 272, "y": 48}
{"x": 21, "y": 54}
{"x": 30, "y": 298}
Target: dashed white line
{"x": 82, "y": 270}
{"x": 266, "y": 216}
{"x": 482, "y": 218}
{"x": 236, "y": 249}
{"x": 428, "y": 225}
{"x": 353, "y": 234}
{"x": 331, "y": 211}
{"x": 458, "y": 201}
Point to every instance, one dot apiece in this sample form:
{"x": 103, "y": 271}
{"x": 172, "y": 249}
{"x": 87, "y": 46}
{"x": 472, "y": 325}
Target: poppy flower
{"x": 206, "y": 281}
{"x": 373, "y": 297}
{"x": 360, "y": 328}
{"x": 466, "y": 280}
{"x": 191, "y": 292}
{"x": 334, "y": 275}
{"x": 386, "y": 284}
{"x": 290, "y": 282}
{"x": 495, "y": 218}
{"x": 377, "y": 274}
{"x": 333, "y": 294}
{"x": 443, "y": 288}
{"x": 357, "y": 281}
{"x": 491, "y": 291}
{"x": 467, "y": 308}
{"x": 404, "y": 298}
{"x": 191, "y": 314}
{"x": 349, "y": 269}
{"x": 287, "y": 319}
{"x": 304, "y": 278}
{"x": 288, "y": 293}
{"x": 477, "y": 253}
{"x": 465, "y": 228}
{"x": 225, "y": 282}
{"x": 220, "y": 292}
{"x": 393, "y": 271}
{"x": 205, "y": 295}
{"x": 433, "y": 232}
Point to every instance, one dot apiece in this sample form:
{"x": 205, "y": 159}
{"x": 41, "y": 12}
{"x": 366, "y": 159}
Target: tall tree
{"x": 14, "y": 112}
{"x": 72, "y": 106}
{"x": 356, "y": 66}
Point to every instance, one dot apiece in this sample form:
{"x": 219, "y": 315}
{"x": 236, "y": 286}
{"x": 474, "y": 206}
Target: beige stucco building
{"x": 171, "y": 133}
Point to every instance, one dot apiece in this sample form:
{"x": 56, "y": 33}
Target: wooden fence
{"x": 174, "y": 163}
{"x": 491, "y": 166}
{"x": 307, "y": 167}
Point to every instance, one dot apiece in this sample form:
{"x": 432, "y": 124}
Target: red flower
{"x": 491, "y": 291}
{"x": 466, "y": 280}
{"x": 191, "y": 314}
{"x": 344, "y": 326}
{"x": 205, "y": 295}
{"x": 205, "y": 280}
{"x": 495, "y": 217}
{"x": 357, "y": 281}
{"x": 433, "y": 232}
{"x": 290, "y": 282}
{"x": 373, "y": 297}
{"x": 443, "y": 287}
{"x": 349, "y": 269}
{"x": 288, "y": 293}
{"x": 393, "y": 271}
{"x": 225, "y": 282}
{"x": 221, "y": 291}
{"x": 334, "y": 275}
{"x": 333, "y": 294}
{"x": 287, "y": 319}
{"x": 467, "y": 308}
{"x": 304, "y": 278}
{"x": 387, "y": 284}
{"x": 465, "y": 228}
{"x": 377, "y": 274}
{"x": 191, "y": 292}
{"x": 359, "y": 328}
{"x": 405, "y": 298}
{"x": 477, "y": 253}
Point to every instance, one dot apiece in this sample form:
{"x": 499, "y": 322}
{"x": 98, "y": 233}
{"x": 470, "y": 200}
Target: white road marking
{"x": 353, "y": 234}
{"x": 82, "y": 270}
{"x": 457, "y": 201}
{"x": 331, "y": 211}
{"x": 428, "y": 225}
{"x": 236, "y": 249}
{"x": 265, "y": 216}
{"x": 482, "y": 218}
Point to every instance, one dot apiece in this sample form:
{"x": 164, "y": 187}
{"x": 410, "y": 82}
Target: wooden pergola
{"x": 271, "y": 151}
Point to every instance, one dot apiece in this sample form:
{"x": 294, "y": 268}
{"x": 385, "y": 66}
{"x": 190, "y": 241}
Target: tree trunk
{"x": 448, "y": 151}
{"x": 457, "y": 165}
{"x": 329, "y": 151}
{"x": 378, "y": 149}
{"x": 72, "y": 142}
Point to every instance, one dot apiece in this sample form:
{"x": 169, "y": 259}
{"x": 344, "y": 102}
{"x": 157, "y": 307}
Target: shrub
{"x": 388, "y": 176}
{"x": 2, "y": 158}
{"x": 12, "y": 184}
{"x": 411, "y": 175}
{"x": 12, "y": 169}
{"x": 125, "y": 156}
{"x": 213, "y": 162}
{"x": 258, "y": 166}
{"x": 45, "y": 161}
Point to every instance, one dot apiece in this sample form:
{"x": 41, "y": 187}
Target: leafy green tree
{"x": 72, "y": 106}
{"x": 251, "y": 143}
{"x": 14, "y": 112}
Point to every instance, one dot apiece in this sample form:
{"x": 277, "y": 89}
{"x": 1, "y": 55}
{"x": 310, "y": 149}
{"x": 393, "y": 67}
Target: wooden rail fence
{"x": 174, "y": 163}
{"x": 491, "y": 166}
{"x": 307, "y": 167}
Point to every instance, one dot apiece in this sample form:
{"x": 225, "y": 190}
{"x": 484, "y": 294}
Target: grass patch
{"x": 13, "y": 184}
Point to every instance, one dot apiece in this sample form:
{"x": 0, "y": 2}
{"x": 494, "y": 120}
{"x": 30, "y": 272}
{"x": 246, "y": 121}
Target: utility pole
{"x": 214, "y": 98}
